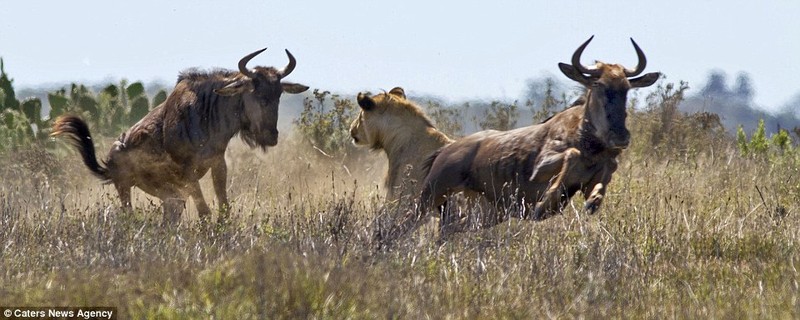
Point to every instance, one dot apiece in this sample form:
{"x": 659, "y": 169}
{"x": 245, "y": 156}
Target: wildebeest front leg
{"x": 594, "y": 198}
{"x": 219, "y": 175}
{"x": 200, "y": 202}
{"x": 595, "y": 190}
{"x": 552, "y": 198}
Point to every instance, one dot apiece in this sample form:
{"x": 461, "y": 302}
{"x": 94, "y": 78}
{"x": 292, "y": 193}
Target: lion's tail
{"x": 77, "y": 132}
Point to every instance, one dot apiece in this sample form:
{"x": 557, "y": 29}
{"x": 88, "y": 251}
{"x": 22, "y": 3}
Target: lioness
{"x": 390, "y": 122}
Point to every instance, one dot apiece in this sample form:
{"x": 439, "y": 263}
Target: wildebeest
{"x": 167, "y": 152}
{"x": 536, "y": 169}
{"x": 394, "y": 124}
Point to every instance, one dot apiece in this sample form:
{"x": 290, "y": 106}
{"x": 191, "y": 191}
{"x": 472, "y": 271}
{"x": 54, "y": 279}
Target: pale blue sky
{"x": 454, "y": 49}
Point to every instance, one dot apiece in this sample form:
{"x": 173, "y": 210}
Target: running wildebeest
{"x": 536, "y": 169}
{"x": 167, "y": 152}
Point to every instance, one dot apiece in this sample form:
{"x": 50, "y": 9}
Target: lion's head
{"x": 386, "y": 116}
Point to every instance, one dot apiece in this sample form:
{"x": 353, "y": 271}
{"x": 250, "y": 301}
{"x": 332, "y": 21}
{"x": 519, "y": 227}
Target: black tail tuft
{"x": 77, "y": 132}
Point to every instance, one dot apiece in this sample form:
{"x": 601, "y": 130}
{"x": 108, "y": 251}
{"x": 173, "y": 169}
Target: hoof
{"x": 591, "y": 207}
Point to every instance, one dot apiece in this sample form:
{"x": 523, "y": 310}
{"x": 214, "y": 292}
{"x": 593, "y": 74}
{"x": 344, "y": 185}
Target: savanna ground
{"x": 690, "y": 228}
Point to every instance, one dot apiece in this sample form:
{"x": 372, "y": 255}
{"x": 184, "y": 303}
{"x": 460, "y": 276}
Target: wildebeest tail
{"x": 77, "y": 132}
{"x": 428, "y": 163}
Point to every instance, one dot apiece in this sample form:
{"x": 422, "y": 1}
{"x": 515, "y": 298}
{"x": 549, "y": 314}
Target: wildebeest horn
{"x": 639, "y": 66}
{"x": 243, "y": 63}
{"x": 289, "y": 67}
{"x": 576, "y": 60}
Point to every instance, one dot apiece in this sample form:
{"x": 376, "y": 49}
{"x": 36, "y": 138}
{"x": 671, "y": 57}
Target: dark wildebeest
{"x": 172, "y": 147}
{"x": 536, "y": 169}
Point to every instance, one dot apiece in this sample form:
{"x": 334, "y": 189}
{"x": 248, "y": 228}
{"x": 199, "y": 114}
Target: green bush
{"x": 741, "y": 141}
{"x": 447, "y": 119}
{"x": 499, "y": 116}
{"x": 758, "y": 142}
{"x": 325, "y": 122}
{"x": 550, "y": 104}
{"x": 782, "y": 140}
{"x": 109, "y": 112}
{"x": 778, "y": 145}
{"x": 661, "y": 130}
{"x": 18, "y": 118}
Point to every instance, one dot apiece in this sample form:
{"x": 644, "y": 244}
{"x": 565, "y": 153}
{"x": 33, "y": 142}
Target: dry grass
{"x": 678, "y": 237}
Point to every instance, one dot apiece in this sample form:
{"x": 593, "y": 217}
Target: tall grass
{"x": 706, "y": 233}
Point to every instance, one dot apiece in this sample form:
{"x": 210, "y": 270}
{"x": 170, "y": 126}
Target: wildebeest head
{"x": 606, "y": 98}
{"x": 260, "y": 90}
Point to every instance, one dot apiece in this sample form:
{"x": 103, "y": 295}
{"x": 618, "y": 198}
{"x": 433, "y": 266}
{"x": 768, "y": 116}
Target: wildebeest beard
{"x": 256, "y": 138}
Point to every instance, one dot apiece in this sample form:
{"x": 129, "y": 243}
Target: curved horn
{"x": 289, "y": 67}
{"x": 245, "y": 60}
{"x": 576, "y": 60}
{"x": 639, "y": 66}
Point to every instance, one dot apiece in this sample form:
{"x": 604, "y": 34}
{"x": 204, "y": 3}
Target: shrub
{"x": 499, "y": 116}
{"x": 661, "y": 130}
{"x": 109, "y": 112}
{"x": 779, "y": 144}
{"x": 447, "y": 119}
{"x": 325, "y": 122}
{"x": 550, "y": 104}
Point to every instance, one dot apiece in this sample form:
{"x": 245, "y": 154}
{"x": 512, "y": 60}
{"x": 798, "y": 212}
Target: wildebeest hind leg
{"x": 451, "y": 218}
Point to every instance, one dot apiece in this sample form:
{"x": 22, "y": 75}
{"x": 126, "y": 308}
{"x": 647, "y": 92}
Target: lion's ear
{"x": 365, "y": 102}
{"x": 398, "y": 92}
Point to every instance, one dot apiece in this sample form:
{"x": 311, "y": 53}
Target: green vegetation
{"x": 550, "y": 103}
{"x": 499, "y": 116}
{"x": 109, "y": 113}
{"x": 325, "y": 122}
{"x": 692, "y": 227}
{"x": 447, "y": 118}
{"x": 17, "y": 116}
{"x": 759, "y": 146}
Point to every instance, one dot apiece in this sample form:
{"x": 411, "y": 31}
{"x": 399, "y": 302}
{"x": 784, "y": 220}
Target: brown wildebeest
{"x": 540, "y": 167}
{"x": 167, "y": 152}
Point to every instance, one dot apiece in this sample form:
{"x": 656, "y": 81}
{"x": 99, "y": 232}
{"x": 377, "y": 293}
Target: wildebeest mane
{"x": 200, "y": 75}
